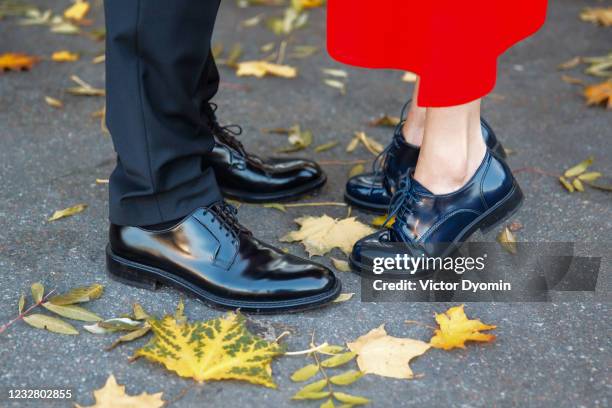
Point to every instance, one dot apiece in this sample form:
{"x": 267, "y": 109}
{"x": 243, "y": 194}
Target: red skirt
{"x": 452, "y": 45}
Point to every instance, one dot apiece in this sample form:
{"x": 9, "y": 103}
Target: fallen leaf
{"x": 455, "y": 329}
{"x": 356, "y": 170}
{"x": 343, "y": 297}
{"x": 72, "y": 312}
{"x": 574, "y": 62}
{"x": 326, "y": 146}
{"x": 303, "y": 4}
{"x": 260, "y": 69}
{"x": 54, "y": 103}
{"x": 276, "y": 206}
{"x": 84, "y": 89}
{"x": 17, "y": 62}
{"x": 253, "y": 21}
{"x": 113, "y": 395}
{"x": 507, "y": 240}
{"x": 370, "y": 144}
{"x": 342, "y": 266}
{"x": 114, "y": 325}
{"x": 380, "y": 221}
{"x": 341, "y": 86}
{"x": 590, "y": 176}
{"x": 52, "y": 324}
{"x": 305, "y": 373}
{"x": 597, "y": 15}
{"x": 78, "y": 295}
{"x": 298, "y": 139}
{"x": 38, "y": 291}
{"x": 410, "y": 77}
{"x": 65, "y": 56}
{"x": 338, "y": 73}
{"x": 139, "y": 312}
{"x": 233, "y": 55}
{"x": 77, "y": 11}
{"x": 303, "y": 51}
{"x": 387, "y": 356}
{"x": 346, "y": 378}
{"x": 350, "y": 400}
{"x": 322, "y": 234}
{"x": 515, "y": 226}
{"x": 67, "y": 212}
{"x": 217, "y": 349}
{"x": 386, "y": 120}
{"x": 599, "y": 94}
{"x": 578, "y": 185}
{"x": 338, "y": 360}
{"x": 572, "y": 80}
{"x": 606, "y": 185}
{"x": 579, "y": 168}
{"x": 599, "y": 66}
{"x": 21, "y": 305}
{"x": 131, "y": 336}
{"x": 352, "y": 145}
{"x": 568, "y": 186}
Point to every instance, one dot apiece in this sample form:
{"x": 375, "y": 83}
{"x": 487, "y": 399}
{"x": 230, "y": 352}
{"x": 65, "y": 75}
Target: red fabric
{"x": 452, "y": 45}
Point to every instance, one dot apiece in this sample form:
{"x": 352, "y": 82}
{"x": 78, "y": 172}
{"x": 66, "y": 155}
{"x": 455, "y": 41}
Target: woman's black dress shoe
{"x": 247, "y": 177}
{"x": 373, "y": 191}
{"x": 429, "y": 225}
{"x": 210, "y": 255}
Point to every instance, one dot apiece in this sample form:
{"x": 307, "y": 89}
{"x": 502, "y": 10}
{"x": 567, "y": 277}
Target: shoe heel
{"x": 130, "y": 275}
{"x": 505, "y": 210}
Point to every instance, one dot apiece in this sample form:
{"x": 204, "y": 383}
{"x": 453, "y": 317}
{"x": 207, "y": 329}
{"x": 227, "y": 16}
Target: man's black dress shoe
{"x": 247, "y": 177}
{"x": 429, "y": 225}
{"x": 210, "y": 255}
{"x": 373, "y": 191}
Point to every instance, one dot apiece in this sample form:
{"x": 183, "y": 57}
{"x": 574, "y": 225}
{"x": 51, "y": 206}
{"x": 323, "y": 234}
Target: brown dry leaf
{"x": 597, "y": 15}
{"x": 67, "y": 212}
{"x": 507, "y": 240}
{"x": 77, "y": 11}
{"x": 455, "y": 329}
{"x": 322, "y": 234}
{"x": 113, "y": 395}
{"x": 599, "y": 94}
{"x": 17, "y": 61}
{"x": 372, "y": 145}
{"x": 387, "y": 356}
{"x": 260, "y": 69}
{"x": 65, "y": 56}
{"x": 572, "y": 80}
{"x": 53, "y": 102}
{"x": 574, "y": 62}
{"x": 386, "y": 120}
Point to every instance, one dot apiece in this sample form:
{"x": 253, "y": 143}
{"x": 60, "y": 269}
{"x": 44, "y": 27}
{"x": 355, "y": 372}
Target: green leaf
{"x": 338, "y": 360}
{"x": 67, "y": 212}
{"x": 38, "y": 290}
{"x": 131, "y": 336}
{"x": 331, "y": 349}
{"x": 305, "y": 373}
{"x": 579, "y": 168}
{"x": 590, "y": 176}
{"x": 139, "y": 312}
{"x": 21, "y": 303}
{"x": 72, "y": 312}
{"x": 328, "y": 404}
{"x": 346, "y": 378}
{"x": 311, "y": 395}
{"x": 78, "y": 295}
{"x": 578, "y": 185}
{"x": 52, "y": 324}
{"x": 568, "y": 186}
{"x": 350, "y": 399}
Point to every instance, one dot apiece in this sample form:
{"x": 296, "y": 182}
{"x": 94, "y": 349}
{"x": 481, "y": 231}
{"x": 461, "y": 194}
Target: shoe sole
{"x": 285, "y": 195}
{"x": 151, "y": 278}
{"x": 505, "y": 209}
{"x": 498, "y": 150}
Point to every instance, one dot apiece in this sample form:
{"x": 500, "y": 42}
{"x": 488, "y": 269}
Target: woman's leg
{"x": 453, "y": 147}
{"x": 414, "y": 126}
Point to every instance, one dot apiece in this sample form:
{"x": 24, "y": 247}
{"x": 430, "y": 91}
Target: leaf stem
{"x": 310, "y": 350}
{"x": 25, "y": 312}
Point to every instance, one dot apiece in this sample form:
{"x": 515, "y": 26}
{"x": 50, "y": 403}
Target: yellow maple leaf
{"x": 387, "y": 356}
{"x": 455, "y": 329}
{"x": 597, "y": 15}
{"x": 113, "y": 395}
{"x": 64, "y": 56}
{"x": 77, "y": 11}
{"x": 322, "y": 234}
{"x": 217, "y": 349}
{"x": 599, "y": 94}
{"x": 16, "y": 61}
{"x": 260, "y": 69}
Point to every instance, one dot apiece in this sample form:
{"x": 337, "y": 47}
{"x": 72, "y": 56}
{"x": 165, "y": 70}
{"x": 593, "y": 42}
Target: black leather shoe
{"x": 429, "y": 225}
{"x": 247, "y": 177}
{"x": 210, "y": 255}
{"x": 373, "y": 191}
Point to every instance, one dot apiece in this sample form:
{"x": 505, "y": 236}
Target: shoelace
{"x": 401, "y": 197}
{"x": 228, "y": 133}
{"x": 380, "y": 162}
{"x": 227, "y": 216}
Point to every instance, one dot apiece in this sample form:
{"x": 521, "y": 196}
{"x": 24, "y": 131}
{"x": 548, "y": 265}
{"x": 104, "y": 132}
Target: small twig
{"x": 25, "y": 312}
{"x": 535, "y": 170}
{"x": 281, "y": 52}
{"x": 180, "y": 395}
{"x": 283, "y": 334}
{"x": 419, "y": 324}
{"x": 310, "y": 350}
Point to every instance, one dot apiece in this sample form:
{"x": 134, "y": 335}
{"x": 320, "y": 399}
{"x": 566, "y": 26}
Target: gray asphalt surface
{"x": 546, "y": 354}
